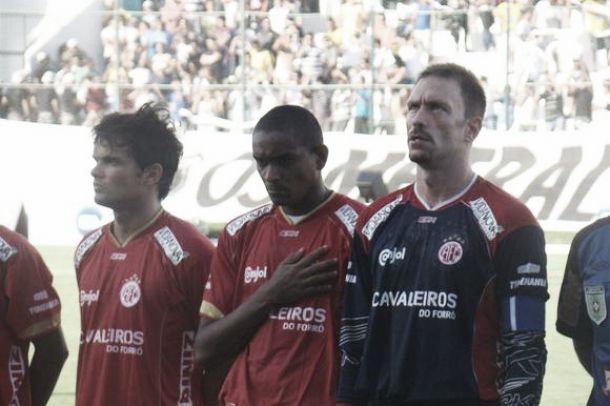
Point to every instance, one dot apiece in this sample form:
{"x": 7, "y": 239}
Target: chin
{"x": 101, "y": 201}
{"x": 418, "y": 158}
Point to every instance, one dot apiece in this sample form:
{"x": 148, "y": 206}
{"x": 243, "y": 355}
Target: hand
{"x": 300, "y": 275}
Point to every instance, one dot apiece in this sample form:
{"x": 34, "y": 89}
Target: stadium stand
{"x": 350, "y": 61}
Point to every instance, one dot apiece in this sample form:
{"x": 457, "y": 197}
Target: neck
{"x": 317, "y": 198}
{"x": 439, "y": 186}
{"x": 127, "y": 222}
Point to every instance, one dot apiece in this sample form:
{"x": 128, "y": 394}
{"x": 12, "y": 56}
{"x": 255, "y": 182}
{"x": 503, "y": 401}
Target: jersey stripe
{"x": 168, "y": 241}
{"x": 234, "y": 226}
{"x": 348, "y": 217}
{"x": 379, "y": 217}
{"x": 6, "y": 250}
{"x": 84, "y": 246}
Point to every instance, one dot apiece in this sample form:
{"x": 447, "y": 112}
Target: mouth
{"x": 276, "y": 191}
{"x": 419, "y": 135}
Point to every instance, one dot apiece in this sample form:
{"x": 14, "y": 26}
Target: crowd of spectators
{"x": 349, "y": 61}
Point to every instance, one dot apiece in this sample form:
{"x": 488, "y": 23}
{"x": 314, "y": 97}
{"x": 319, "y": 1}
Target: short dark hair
{"x": 296, "y": 121}
{"x": 150, "y": 137}
{"x": 473, "y": 93}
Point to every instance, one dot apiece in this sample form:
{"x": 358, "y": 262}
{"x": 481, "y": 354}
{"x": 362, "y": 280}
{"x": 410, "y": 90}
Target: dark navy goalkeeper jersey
{"x": 582, "y": 312}
{"x": 431, "y": 294}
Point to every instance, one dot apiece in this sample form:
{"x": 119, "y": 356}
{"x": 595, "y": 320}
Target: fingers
{"x": 313, "y": 256}
{"x": 294, "y": 257}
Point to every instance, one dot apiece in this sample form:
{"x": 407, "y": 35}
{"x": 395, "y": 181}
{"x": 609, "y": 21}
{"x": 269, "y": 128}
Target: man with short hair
{"x": 29, "y": 313}
{"x": 444, "y": 303}
{"x": 582, "y": 312}
{"x": 140, "y": 277}
{"x": 272, "y": 302}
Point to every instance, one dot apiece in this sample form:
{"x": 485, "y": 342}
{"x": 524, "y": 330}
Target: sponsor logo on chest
{"x": 116, "y": 340}
{"x": 300, "y": 319}
{"x": 389, "y": 256}
{"x": 87, "y": 297}
{"x": 253, "y": 274}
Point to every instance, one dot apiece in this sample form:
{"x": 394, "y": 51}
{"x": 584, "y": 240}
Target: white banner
{"x": 562, "y": 177}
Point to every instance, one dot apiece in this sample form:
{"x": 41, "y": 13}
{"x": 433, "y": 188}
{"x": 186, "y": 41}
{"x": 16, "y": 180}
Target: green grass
{"x": 566, "y": 383}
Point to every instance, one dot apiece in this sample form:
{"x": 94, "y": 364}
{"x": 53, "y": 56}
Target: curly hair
{"x": 150, "y": 137}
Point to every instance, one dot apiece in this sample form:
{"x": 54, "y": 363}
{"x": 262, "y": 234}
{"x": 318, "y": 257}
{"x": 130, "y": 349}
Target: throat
{"x": 434, "y": 195}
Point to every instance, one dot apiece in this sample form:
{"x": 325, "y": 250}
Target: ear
{"x": 321, "y": 152}
{"x": 151, "y": 175}
{"x": 473, "y": 127}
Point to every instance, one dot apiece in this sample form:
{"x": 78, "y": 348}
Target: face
{"x": 118, "y": 181}
{"x": 438, "y": 133}
{"x": 289, "y": 170}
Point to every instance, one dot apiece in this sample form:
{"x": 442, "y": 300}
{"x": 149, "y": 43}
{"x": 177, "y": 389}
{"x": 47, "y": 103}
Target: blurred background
{"x": 221, "y": 64}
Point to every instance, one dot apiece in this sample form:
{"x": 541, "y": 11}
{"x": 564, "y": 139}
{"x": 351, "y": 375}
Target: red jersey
{"x": 29, "y": 308}
{"x": 139, "y": 313}
{"x": 292, "y": 358}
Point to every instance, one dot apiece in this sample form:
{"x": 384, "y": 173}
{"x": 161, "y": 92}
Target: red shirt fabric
{"x": 139, "y": 314}
{"x": 29, "y": 308}
{"x": 293, "y": 357}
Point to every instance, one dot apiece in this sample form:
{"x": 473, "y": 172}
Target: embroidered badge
{"x": 595, "y": 298}
{"x": 130, "y": 291}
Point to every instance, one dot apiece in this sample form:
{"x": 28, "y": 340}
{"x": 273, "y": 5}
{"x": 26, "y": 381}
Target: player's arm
{"x": 584, "y": 349}
{"x": 298, "y": 276}
{"x": 522, "y": 289}
{"x": 357, "y": 293}
{"x": 50, "y": 353}
{"x": 572, "y": 318}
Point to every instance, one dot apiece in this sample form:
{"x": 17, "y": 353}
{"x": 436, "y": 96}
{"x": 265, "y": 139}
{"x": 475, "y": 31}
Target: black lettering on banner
{"x": 349, "y": 170}
{"x": 571, "y": 211}
{"x": 204, "y": 197}
{"x": 520, "y": 155}
{"x": 570, "y": 158}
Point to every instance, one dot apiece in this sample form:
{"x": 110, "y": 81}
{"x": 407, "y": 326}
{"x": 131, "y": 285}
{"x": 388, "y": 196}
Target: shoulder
{"x": 253, "y": 216}
{"x": 379, "y": 211}
{"x": 497, "y": 211}
{"x": 86, "y": 244}
{"x": 346, "y": 210}
{"x": 596, "y": 233}
{"x": 179, "y": 239}
{"x": 11, "y": 243}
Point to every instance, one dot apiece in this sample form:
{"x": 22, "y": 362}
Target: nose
{"x": 415, "y": 117}
{"x": 270, "y": 173}
{"x": 95, "y": 171}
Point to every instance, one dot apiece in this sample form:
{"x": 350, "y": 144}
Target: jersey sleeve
{"x": 197, "y": 268}
{"x": 33, "y": 304}
{"x": 357, "y": 296}
{"x": 520, "y": 261}
{"x": 572, "y": 319}
{"x": 522, "y": 293}
{"x": 218, "y": 292}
